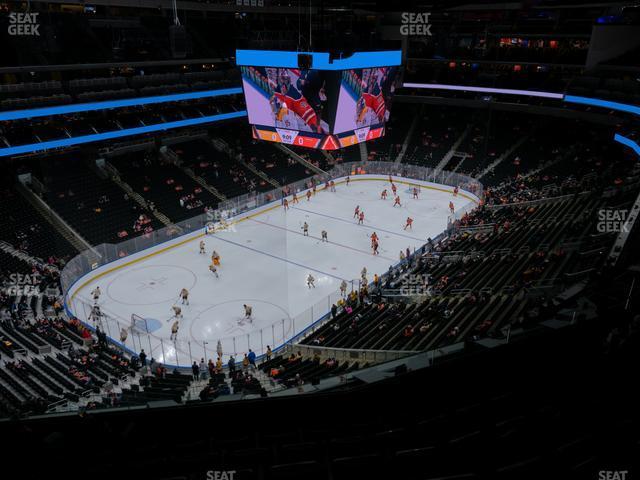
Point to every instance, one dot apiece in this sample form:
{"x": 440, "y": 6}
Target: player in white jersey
{"x": 343, "y": 288}
{"x": 96, "y": 315}
{"x": 96, "y": 294}
{"x": 311, "y": 281}
{"x": 177, "y": 312}
{"x": 202, "y": 245}
{"x": 184, "y": 295}
{"x": 174, "y": 330}
{"x": 248, "y": 311}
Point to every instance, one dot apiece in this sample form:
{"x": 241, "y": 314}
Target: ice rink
{"x": 265, "y": 261}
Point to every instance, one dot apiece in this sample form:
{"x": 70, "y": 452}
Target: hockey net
{"x": 139, "y": 324}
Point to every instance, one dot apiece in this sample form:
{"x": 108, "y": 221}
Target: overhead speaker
{"x": 305, "y": 61}
{"x": 178, "y": 41}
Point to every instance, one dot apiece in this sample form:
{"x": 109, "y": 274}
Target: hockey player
{"x": 285, "y": 204}
{"x": 356, "y": 212}
{"x": 383, "y": 195}
{"x": 374, "y": 246}
{"x": 184, "y": 295}
{"x": 333, "y": 186}
{"x": 363, "y": 272}
{"x": 215, "y": 258}
{"x": 174, "y": 331}
{"x": 308, "y": 195}
{"x": 455, "y": 191}
{"x": 324, "y": 236}
{"x": 123, "y": 335}
{"x": 96, "y": 315}
{"x": 214, "y": 270}
{"x": 289, "y": 99}
{"x": 415, "y": 193}
{"x": 305, "y": 229}
{"x": 96, "y": 294}
{"x": 202, "y": 245}
{"x": 177, "y": 312}
{"x": 348, "y": 180}
{"x": 310, "y": 281}
{"x": 451, "y": 208}
{"x": 409, "y": 222}
{"x": 374, "y": 237}
{"x": 248, "y": 310}
{"x": 394, "y": 189}
{"x": 361, "y": 218}
{"x": 294, "y": 200}
{"x": 343, "y": 288}
{"x": 397, "y": 201}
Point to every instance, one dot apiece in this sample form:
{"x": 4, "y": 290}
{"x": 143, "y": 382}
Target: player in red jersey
{"x": 361, "y": 218}
{"x": 356, "y": 212}
{"x": 308, "y": 195}
{"x": 374, "y": 237}
{"x": 451, "y": 208}
{"x": 293, "y": 100}
{"x": 394, "y": 189}
{"x": 397, "y": 201}
{"x": 374, "y": 246}
{"x": 455, "y": 191}
{"x": 409, "y": 223}
{"x": 285, "y": 204}
{"x": 384, "y": 194}
{"x": 372, "y": 99}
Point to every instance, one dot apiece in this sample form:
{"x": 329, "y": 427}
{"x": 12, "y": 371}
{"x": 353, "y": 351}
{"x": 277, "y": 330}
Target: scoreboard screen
{"x": 328, "y": 107}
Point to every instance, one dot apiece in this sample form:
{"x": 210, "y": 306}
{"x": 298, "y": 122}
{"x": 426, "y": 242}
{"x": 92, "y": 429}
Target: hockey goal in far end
{"x": 139, "y": 324}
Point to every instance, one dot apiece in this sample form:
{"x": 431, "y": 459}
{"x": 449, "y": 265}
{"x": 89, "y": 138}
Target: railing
{"x": 277, "y": 335}
{"x": 349, "y": 354}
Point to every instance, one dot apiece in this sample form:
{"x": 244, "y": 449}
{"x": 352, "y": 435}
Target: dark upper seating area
{"x": 220, "y": 171}
{"x": 158, "y": 180}
{"x": 96, "y": 207}
{"x": 26, "y": 230}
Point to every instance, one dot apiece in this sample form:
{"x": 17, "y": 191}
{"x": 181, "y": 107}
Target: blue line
{"x": 65, "y": 142}
{"x": 128, "y": 102}
{"x": 365, "y": 226}
{"x": 278, "y": 258}
{"x": 627, "y": 142}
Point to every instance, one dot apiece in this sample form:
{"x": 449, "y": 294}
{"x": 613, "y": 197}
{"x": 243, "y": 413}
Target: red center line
{"x": 318, "y": 238}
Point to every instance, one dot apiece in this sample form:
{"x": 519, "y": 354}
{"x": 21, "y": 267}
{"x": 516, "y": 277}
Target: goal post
{"x": 139, "y": 324}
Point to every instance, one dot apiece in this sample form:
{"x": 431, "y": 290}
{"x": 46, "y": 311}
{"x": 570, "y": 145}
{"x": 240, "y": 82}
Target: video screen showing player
{"x": 365, "y": 97}
{"x": 286, "y": 98}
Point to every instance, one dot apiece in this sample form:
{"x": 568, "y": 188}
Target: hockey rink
{"x": 265, "y": 262}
